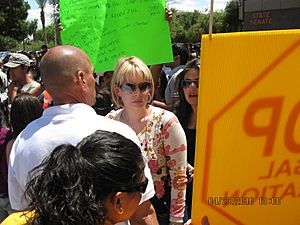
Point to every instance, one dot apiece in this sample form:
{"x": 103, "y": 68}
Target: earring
{"x": 121, "y": 211}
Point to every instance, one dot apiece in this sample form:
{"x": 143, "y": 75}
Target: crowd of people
{"x": 38, "y": 140}
{"x": 79, "y": 147}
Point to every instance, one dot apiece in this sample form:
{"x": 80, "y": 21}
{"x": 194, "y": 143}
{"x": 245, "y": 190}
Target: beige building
{"x": 270, "y": 14}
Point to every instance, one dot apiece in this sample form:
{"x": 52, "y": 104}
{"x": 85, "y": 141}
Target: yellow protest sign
{"x": 248, "y": 129}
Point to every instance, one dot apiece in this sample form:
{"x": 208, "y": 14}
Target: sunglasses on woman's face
{"x": 129, "y": 88}
{"x": 137, "y": 188}
{"x": 188, "y": 83}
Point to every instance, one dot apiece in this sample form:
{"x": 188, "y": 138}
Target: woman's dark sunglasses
{"x": 188, "y": 83}
{"x": 137, "y": 188}
{"x": 129, "y": 88}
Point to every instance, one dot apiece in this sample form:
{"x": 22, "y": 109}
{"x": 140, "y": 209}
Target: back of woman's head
{"x": 182, "y": 50}
{"x": 4, "y": 115}
{"x": 103, "y": 103}
{"x": 70, "y": 186}
{"x": 24, "y": 109}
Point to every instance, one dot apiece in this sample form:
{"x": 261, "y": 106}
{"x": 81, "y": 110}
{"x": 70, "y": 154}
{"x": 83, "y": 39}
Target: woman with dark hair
{"x": 103, "y": 103}
{"x": 186, "y": 111}
{"x": 98, "y": 182}
{"x": 24, "y": 109}
{"x": 5, "y": 136}
{"x": 105, "y": 79}
{"x": 187, "y": 85}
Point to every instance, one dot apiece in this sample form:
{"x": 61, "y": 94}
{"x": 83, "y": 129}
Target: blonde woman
{"x": 160, "y": 133}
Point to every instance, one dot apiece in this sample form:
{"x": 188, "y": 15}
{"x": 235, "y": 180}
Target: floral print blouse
{"x": 164, "y": 145}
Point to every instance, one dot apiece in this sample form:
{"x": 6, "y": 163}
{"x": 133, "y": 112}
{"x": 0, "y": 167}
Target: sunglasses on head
{"x": 129, "y": 88}
{"x": 188, "y": 83}
{"x": 136, "y": 188}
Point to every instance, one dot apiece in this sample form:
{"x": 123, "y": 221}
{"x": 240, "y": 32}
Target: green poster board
{"x": 108, "y": 30}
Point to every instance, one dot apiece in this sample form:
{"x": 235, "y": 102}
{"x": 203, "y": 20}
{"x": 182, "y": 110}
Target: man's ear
{"x": 81, "y": 77}
{"x": 25, "y": 68}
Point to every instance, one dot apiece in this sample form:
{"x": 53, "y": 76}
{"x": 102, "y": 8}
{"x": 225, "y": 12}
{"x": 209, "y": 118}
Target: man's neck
{"x": 27, "y": 79}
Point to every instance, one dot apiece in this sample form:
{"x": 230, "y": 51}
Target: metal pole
{"x": 211, "y": 15}
{"x": 55, "y": 23}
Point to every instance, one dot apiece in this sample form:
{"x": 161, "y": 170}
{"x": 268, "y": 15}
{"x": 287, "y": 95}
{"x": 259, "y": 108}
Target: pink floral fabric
{"x": 164, "y": 146}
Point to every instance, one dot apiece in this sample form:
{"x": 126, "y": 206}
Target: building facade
{"x": 269, "y": 14}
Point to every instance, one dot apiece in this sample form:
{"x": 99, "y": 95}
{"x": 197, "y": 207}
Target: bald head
{"x": 61, "y": 67}
{"x": 61, "y": 63}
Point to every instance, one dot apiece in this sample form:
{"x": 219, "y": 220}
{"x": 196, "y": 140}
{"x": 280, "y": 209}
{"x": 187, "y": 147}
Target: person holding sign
{"x": 98, "y": 182}
{"x": 160, "y": 133}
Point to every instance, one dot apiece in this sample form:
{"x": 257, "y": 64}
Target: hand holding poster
{"x": 107, "y": 30}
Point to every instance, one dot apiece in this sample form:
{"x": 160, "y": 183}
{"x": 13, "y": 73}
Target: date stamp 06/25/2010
{"x": 236, "y": 201}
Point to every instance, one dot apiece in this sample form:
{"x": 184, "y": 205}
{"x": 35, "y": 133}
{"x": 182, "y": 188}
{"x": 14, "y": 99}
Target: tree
{"x": 42, "y": 4}
{"x": 194, "y": 33}
{"x": 231, "y": 22}
{"x": 13, "y": 25}
{"x": 56, "y": 19}
{"x": 55, "y": 4}
{"x": 50, "y": 34}
{"x": 33, "y": 27}
{"x": 189, "y": 26}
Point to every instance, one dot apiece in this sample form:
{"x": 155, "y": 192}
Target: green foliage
{"x": 34, "y": 45}
{"x": 38, "y": 38}
{"x": 55, "y": 4}
{"x": 231, "y": 23}
{"x": 7, "y": 43}
{"x": 41, "y": 3}
{"x": 32, "y": 26}
{"x": 188, "y": 27}
{"x": 13, "y": 24}
{"x": 218, "y": 22}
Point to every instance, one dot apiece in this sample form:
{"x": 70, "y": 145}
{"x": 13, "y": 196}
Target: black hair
{"x": 71, "y": 185}
{"x": 183, "y": 109}
{"x": 24, "y": 109}
{"x": 4, "y": 114}
{"x": 105, "y": 73}
{"x": 181, "y": 49}
{"x": 103, "y": 103}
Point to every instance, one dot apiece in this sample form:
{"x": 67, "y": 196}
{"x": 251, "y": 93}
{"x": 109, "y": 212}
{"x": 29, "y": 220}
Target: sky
{"x": 34, "y": 13}
{"x": 184, "y": 5}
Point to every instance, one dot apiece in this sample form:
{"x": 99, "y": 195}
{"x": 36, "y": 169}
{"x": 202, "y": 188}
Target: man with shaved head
{"x": 67, "y": 74}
